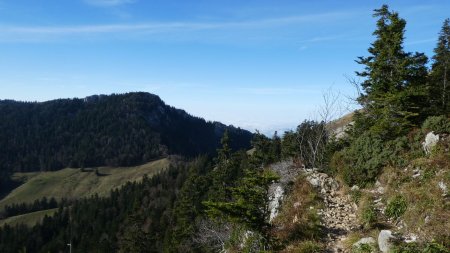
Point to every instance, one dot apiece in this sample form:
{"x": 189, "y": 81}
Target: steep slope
{"x": 115, "y": 130}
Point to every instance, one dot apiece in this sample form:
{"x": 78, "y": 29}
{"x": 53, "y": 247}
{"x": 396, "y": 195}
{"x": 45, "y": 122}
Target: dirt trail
{"x": 339, "y": 212}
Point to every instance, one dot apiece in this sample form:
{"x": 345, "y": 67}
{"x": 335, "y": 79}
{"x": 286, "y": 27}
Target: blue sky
{"x": 256, "y": 64}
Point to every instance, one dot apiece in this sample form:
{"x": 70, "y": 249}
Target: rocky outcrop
{"x": 275, "y": 201}
{"x": 431, "y": 140}
{"x": 287, "y": 172}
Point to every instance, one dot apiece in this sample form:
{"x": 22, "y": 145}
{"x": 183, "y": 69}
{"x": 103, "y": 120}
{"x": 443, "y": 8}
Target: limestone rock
{"x": 274, "y": 204}
{"x": 410, "y": 238}
{"x": 384, "y": 240}
{"x": 431, "y": 140}
{"x": 355, "y": 188}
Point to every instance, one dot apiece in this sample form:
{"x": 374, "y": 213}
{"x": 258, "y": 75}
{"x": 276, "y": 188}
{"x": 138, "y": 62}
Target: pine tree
{"x": 223, "y": 175}
{"x": 392, "y": 77}
{"x": 249, "y": 205}
{"x": 440, "y": 72}
{"x": 262, "y": 146}
{"x": 275, "y": 152}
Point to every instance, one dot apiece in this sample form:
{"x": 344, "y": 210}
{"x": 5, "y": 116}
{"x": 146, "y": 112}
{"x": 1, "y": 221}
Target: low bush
{"x": 362, "y": 161}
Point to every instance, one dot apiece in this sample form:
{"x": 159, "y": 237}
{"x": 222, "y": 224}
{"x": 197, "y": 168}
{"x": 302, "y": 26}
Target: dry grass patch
{"x": 298, "y": 220}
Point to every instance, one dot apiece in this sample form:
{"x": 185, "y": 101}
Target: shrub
{"x": 362, "y": 161}
{"x": 434, "y": 247}
{"x": 396, "y": 207}
{"x": 407, "y": 248}
{"x": 368, "y": 215}
{"x": 438, "y": 124}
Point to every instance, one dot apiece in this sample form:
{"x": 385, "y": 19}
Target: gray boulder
{"x": 385, "y": 240}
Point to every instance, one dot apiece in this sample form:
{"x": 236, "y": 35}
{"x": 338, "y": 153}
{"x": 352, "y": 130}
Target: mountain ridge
{"x": 113, "y": 130}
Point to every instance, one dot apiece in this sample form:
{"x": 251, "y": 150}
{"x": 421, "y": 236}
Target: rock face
{"x": 431, "y": 140}
{"x": 287, "y": 172}
{"x": 384, "y": 240}
{"x": 274, "y": 204}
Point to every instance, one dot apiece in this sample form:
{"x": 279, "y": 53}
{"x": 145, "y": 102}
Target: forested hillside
{"x": 116, "y": 130}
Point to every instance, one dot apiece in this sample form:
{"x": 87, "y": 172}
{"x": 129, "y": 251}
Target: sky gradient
{"x": 255, "y": 64}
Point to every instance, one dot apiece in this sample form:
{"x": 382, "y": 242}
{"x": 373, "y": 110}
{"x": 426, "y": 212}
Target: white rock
{"x": 431, "y": 140}
{"x": 384, "y": 240}
{"x": 443, "y": 188}
{"x": 427, "y": 219}
{"x": 380, "y": 190}
{"x": 411, "y": 238}
{"x": 365, "y": 240}
{"x": 314, "y": 181}
{"x": 295, "y": 219}
{"x": 275, "y": 202}
{"x": 355, "y": 188}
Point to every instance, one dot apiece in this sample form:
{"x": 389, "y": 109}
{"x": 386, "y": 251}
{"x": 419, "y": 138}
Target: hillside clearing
{"x": 74, "y": 183}
{"x": 29, "y": 219}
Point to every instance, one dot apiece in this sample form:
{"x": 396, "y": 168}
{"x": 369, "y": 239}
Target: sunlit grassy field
{"x": 73, "y": 183}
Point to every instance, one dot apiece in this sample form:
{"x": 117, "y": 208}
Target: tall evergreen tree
{"x": 392, "y": 77}
{"x": 440, "y": 72}
{"x": 262, "y": 146}
{"x": 224, "y": 173}
{"x": 275, "y": 151}
{"x": 249, "y": 205}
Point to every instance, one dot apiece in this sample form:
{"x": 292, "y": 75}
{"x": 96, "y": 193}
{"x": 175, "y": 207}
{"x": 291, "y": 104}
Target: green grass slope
{"x": 29, "y": 219}
{"x": 73, "y": 183}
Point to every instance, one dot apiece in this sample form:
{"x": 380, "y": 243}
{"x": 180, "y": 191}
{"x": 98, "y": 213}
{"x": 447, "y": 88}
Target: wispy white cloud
{"x": 12, "y": 32}
{"x": 276, "y": 91}
{"x": 109, "y": 3}
{"x": 321, "y": 39}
